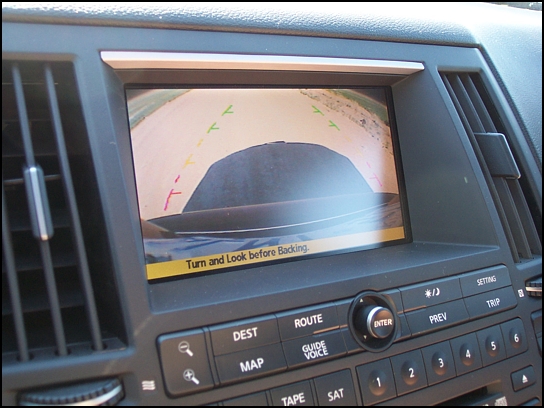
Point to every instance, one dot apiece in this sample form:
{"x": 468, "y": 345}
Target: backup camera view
{"x": 231, "y": 177}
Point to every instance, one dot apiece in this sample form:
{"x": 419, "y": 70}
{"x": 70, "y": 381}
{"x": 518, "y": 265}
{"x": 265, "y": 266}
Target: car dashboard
{"x": 186, "y": 219}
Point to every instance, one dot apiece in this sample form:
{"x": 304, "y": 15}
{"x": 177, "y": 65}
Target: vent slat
{"x": 85, "y": 277}
{"x": 45, "y": 249}
{"x": 478, "y": 104}
{"x": 467, "y": 106}
{"x": 486, "y": 132}
{"x": 513, "y": 217}
{"x": 8, "y": 259}
{"x": 49, "y": 308}
{"x": 39, "y": 303}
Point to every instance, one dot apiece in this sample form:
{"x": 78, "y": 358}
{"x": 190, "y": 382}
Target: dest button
{"x": 185, "y": 363}
{"x": 229, "y": 338}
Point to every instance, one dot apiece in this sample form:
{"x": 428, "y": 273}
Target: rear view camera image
{"x": 233, "y": 177}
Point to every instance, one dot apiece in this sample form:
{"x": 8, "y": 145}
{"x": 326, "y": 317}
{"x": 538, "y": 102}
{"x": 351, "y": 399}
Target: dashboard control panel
{"x": 216, "y": 356}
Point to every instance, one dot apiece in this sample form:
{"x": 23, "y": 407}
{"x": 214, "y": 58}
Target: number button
{"x": 466, "y": 353}
{"x": 491, "y": 345}
{"x": 438, "y": 362}
{"x": 376, "y": 382}
{"x": 514, "y": 337}
{"x": 409, "y": 372}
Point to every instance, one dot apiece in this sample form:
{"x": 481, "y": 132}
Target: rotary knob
{"x": 373, "y": 321}
{"x": 380, "y": 322}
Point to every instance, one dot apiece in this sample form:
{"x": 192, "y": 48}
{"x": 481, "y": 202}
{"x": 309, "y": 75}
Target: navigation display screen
{"x": 236, "y": 177}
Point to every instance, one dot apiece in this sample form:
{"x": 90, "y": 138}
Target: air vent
{"x": 489, "y": 138}
{"x": 49, "y": 307}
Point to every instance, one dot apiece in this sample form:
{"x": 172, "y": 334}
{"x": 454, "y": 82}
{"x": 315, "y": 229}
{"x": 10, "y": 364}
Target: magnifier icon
{"x": 184, "y": 347}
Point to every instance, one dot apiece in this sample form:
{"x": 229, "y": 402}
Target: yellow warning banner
{"x": 270, "y": 253}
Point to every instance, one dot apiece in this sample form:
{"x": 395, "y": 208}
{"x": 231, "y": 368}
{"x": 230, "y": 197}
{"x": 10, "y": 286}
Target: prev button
{"x": 437, "y": 317}
{"x": 251, "y": 363}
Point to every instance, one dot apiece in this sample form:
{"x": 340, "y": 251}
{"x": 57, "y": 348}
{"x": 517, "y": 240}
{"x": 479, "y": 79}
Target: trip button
{"x": 485, "y": 280}
{"x": 250, "y": 364}
{"x": 244, "y": 335}
{"x": 490, "y": 302}
{"x": 185, "y": 363}
{"x": 437, "y": 317}
{"x": 430, "y": 293}
{"x": 293, "y": 394}
{"x": 312, "y": 349}
{"x": 335, "y": 389}
{"x": 303, "y": 322}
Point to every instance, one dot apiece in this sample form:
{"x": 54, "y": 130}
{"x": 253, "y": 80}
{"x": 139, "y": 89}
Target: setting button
{"x": 311, "y": 349}
{"x": 335, "y": 389}
{"x": 430, "y": 293}
{"x": 184, "y": 362}
{"x": 250, "y": 364}
{"x": 437, "y": 317}
{"x": 244, "y": 335}
{"x": 303, "y": 322}
{"x": 485, "y": 280}
{"x": 490, "y": 302}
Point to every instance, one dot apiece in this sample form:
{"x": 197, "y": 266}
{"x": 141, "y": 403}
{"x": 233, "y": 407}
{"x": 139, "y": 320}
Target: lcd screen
{"x": 228, "y": 178}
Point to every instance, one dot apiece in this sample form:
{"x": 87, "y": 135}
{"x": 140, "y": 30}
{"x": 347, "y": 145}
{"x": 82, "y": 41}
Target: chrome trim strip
{"x": 172, "y": 60}
{"x": 93, "y": 402}
{"x": 38, "y": 204}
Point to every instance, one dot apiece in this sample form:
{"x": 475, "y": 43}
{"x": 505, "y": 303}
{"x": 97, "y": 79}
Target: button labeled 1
{"x": 184, "y": 361}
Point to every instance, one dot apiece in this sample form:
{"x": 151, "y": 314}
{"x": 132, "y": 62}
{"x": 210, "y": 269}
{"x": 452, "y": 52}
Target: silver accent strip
{"x": 40, "y": 211}
{"x": 88, "y": 403}
{"x": 174, "y": 60}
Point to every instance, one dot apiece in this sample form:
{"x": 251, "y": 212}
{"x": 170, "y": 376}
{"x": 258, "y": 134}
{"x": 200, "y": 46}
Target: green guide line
{"x": 212, "y": 127}
{"x": 332, "y": 124}
{"x": 227, "y": 110}
{"x": 316, "y": 110}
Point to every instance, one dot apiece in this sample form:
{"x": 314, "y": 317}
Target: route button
{"x": 185, "y": 363}
{"x": 303, "y": 322}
